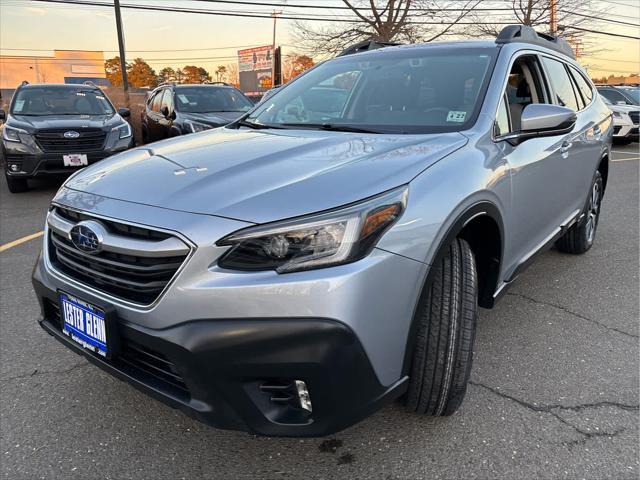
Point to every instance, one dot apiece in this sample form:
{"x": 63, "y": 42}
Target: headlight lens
{"x": 195, "y": 127}
{"x": 12, "y": 134}
{"x": 317, "y": 241}
{"x": 124, "y": 129}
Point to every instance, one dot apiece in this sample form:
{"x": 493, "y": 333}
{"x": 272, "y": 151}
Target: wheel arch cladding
{"x": 603, "y": 168}
{"x": 482, "y": 223}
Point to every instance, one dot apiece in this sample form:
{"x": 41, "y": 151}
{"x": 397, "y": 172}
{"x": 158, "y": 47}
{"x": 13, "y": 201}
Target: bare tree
{"x": 537, "y": 14}
{"x": 385, "y": 21}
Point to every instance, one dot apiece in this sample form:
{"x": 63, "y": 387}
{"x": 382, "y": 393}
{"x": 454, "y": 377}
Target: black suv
{"x": 57, "y": 129}
{"x": 174, "y": 110}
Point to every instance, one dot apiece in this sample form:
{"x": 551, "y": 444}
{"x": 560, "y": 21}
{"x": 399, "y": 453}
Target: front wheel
{"x": 16, "y": 185}
{"x": 579, "y": 238}
{"x": 443, "y": 350}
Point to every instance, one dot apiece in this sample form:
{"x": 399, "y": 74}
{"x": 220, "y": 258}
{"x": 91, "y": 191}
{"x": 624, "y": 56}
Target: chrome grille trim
{"x": 171, "y": 247}
{"x": 52, "y": 269}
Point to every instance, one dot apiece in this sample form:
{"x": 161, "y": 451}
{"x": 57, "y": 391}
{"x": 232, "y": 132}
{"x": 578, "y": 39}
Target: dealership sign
{"x": 255, "y": 66}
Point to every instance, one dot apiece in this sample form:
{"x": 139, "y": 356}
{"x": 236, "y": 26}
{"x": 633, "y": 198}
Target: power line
{"x": 136, "y": 51}
{"x": 569, "y": 12}
{"x": 288, "y": 17}
{"x": 241, "y": 14}
{"x": 599, "y": 32}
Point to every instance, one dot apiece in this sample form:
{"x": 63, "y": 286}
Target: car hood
{"x": 216, "y": 118}
{"x": 623, "y": 108}
{"x": 30, "y": 122}
{"x": 264, "y": 175}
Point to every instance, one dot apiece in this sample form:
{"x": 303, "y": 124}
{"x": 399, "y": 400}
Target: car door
{"x": 153, "y": 117}
{"x": 539, "y": 171}
{"x": 582, "y": 147}
{"x": 165, "y": 114}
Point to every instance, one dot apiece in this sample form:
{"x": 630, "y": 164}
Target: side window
{"x": 561, "y": 83}
{"x": 524, "y": 87}
{"x": 156, "y": 101}
{"x": 167, "y": 100}
{"x": 502, "y": 119}
{"x": 585, "y": 88}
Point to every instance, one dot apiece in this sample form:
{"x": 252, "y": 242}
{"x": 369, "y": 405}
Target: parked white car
{"x": 625, "y": 121}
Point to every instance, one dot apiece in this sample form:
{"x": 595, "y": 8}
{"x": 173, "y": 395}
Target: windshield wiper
{"x": 335, "y": 127}
{"x": 255, "y": 126}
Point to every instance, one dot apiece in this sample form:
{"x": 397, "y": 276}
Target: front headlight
{"x": 124, "y": 129}
{"x": 12, "y": 134}
{"x": 195, "y": 127}
{"x": 316, "y": 241}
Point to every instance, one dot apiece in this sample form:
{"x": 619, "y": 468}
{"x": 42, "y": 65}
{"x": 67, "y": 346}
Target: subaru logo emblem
{"x": 71, "y": 134}
{"x": 87, "y": 236}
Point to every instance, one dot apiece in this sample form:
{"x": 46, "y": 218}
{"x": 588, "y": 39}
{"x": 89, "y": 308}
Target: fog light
{"x": 303, "y": 395}
{"x": 14, "y": 167}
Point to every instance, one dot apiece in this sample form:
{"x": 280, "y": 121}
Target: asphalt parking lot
{"x": 554, "y": 391}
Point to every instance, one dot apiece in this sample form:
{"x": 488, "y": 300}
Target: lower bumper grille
{"x": 141, "y": 362}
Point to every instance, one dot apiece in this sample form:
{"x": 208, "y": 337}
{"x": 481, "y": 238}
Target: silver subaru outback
{"x": 325, "y": 254}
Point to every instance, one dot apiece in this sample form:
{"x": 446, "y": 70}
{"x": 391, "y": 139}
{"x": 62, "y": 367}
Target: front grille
{"x": 635, "y": 116}
{"x": 138, "y": 279}
{"x": 53, "y": 140}
{"x": 141, "y": 362}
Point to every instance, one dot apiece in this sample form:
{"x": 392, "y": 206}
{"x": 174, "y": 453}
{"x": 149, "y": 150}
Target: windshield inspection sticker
{"x": 456, "y": 116}
{"x": 18, "y": 106}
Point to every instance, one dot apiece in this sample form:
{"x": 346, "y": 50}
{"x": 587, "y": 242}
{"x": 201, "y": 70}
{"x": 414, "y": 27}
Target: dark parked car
{"x": 173, "y": 110}
{"x": 57, "y": 129}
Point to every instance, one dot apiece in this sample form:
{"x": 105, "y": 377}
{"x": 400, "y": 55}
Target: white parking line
{"x": 626, "y": 159}
{"x": 624, "y": 153}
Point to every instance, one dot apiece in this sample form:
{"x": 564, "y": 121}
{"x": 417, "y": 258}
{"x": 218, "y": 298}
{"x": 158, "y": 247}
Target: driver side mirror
{"x": 3, "y": 115}
{"x": 543, "y": 120}
{"x": 124, "y": 112}
{"x": 165, "y": 111}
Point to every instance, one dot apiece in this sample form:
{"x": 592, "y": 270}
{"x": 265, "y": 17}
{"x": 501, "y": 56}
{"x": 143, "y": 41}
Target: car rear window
{"x": 561, "y": 83}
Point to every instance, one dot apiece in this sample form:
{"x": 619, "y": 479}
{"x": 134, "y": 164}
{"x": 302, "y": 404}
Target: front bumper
{"x": 216, "y": 370}
{"x": 30, "y": 161}
{"x": 343, "y": 330}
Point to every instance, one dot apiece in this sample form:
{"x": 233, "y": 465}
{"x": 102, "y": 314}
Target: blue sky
{"x": 25, "y": 24}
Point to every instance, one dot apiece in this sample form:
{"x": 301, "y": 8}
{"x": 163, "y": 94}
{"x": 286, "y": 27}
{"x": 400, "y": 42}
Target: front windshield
{"x": 40, "y": 101}
{"x": 633, "y": 93}
{"x": 417, "y": 90}
{"x": 211, "y": 99}
{"x": 615, "y": 96}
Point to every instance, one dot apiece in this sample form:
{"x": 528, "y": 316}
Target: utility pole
{"x": 274, "y": 14}
{"x": 123, "y": 61}
{"x": 553, "y": 17}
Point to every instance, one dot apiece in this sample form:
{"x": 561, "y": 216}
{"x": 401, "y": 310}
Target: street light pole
{"x": 123, "y": 61}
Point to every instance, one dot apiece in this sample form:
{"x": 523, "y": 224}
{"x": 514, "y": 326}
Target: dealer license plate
{"x": 75, "y": 160}
{"x": 84, "y": 323}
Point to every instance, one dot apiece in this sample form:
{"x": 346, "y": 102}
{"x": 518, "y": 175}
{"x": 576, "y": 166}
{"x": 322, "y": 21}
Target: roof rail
{"x": 217, "y": 83}
{"x": 365, "y": 47}
{"x": 89, "y": 83}
{"x": 526, "y": 34}
{"x": 23, "y": 83}
{"x": 166, "y": 84}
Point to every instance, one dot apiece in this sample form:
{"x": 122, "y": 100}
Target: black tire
{"x": 16, "y": 185}
{"x": 443, "y": 349}
{"x": 581, "y": 235}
